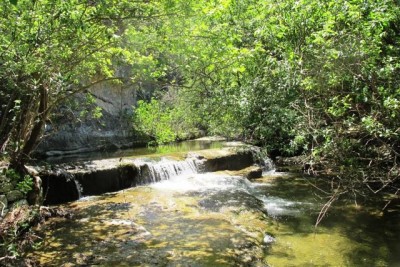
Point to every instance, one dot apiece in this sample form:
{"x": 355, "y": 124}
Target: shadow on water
{"x": 359, "y": 235}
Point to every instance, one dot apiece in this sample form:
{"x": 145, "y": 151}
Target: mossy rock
{"x": 6, "y": 187}
{"x": 14, "y": 195}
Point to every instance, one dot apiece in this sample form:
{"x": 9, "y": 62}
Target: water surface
{"x": 219, "y": 219}
{"x": 172, "y": 148}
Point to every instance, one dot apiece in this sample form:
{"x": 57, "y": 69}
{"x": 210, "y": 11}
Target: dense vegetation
{"x": 313, "y": 77}
{"x": 306, "y": 76}
{"x": 318, "y": 78}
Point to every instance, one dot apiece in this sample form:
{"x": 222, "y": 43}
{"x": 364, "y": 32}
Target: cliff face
{"x": 80, "y": 126}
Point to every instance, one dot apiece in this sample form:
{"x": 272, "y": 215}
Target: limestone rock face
{"x": 74, "y": 128}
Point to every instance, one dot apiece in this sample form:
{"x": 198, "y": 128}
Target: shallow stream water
{"x": 220, "y": 219}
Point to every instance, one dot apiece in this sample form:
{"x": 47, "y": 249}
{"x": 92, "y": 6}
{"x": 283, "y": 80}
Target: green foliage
{"x": 154, "y": 120}
{"x": 25, "y": 185}
{"x": 294, "y": 76}
{"x": 12, "y": 175}
{"x": 90, "y": 108}
{"x": 51, "y": 50}
{"x": 160, "y": 122}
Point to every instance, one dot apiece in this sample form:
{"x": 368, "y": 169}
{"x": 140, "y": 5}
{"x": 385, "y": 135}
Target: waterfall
{"x": 165, "y": 169}
{"x": 267, "y": 165}
{"x": 78, "y": 188}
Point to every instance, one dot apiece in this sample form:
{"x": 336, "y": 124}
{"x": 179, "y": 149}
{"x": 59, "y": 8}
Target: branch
{"x": 327, "y": 205}
{"x": 114, "y": 18}
{"x": 8, "y": 258}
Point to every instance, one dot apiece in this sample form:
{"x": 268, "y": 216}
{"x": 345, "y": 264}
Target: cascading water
{"x": 164, "y": 169}
{"x": 182, "y": 216}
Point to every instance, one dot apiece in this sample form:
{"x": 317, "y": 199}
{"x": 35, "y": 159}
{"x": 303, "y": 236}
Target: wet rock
{"x": 65, "y": 182}
{"x": 269, "y": 239}
{"x": 254, "y": 173}
{"x": 108, "y": 180}
{"x": 229, "y": 161}
{"x": 59, "y": 187}
{"x": 240, "y": 200}
{"x": 14, "y": 195}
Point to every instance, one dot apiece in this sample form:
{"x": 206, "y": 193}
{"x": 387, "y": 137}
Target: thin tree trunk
{"x": 5, "y": 127}
{"x": 36, "y": 131}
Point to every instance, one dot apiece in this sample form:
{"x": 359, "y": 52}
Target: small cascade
{"x": 78, "y": 188}
{"x": 165, "y": 169}
{"x": 262, "y": 159}
{"x": 267, "y": 165}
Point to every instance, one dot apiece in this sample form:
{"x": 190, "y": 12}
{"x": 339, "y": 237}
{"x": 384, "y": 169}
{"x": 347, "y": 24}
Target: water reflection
{"x": 191, "y": 145}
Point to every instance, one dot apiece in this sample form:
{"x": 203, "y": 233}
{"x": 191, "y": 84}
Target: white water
{"x": 202, "y": 182}
{"x": 183, "y": 177}
{"x": 165, "y": 169}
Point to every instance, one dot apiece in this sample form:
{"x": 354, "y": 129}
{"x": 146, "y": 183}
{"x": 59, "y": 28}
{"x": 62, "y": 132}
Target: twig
{"x": 3, "y": 208}
{"x": 324, "y": 209}
{"x": 8, "y": 257}
{"x": 327, "y": 205}
{"x": 390, "y": 201}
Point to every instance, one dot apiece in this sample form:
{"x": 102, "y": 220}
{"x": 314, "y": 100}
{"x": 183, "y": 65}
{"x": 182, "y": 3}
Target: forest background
{"x": 319, "y": 78}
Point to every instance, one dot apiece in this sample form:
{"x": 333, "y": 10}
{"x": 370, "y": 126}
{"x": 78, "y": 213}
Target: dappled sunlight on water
{"x": 220, "y": 220}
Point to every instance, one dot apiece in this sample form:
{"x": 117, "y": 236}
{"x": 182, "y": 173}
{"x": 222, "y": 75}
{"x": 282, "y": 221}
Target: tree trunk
{"x": 5, "y": 126}
{"x": 35, "y": 133}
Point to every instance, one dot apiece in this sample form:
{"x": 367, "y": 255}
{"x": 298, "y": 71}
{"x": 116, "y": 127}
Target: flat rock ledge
{"x": 68, "y": 182}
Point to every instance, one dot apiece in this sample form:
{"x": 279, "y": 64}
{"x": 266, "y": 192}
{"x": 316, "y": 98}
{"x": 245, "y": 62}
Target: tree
{"x": 297, "y": 76}
{"x": 49, "y": 51}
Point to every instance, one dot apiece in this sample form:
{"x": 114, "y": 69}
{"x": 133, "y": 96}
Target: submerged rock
{"x": 268, "y": 239}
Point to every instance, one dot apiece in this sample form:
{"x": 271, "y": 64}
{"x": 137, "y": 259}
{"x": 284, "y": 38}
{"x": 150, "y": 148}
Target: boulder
{"x": 14, "y": 195}
{"x": 254, "y": 173}
{"x": 18, "y": 204}
{"x": 6, "y": 187}
{"x": 225, "y": 159}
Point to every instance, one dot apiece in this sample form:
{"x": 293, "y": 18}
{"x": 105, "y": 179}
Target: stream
{"x": 219, "y": 219}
